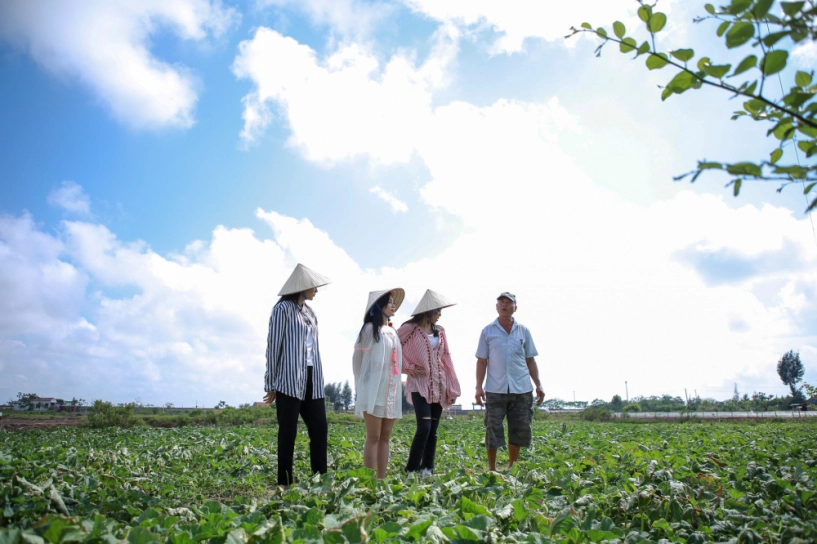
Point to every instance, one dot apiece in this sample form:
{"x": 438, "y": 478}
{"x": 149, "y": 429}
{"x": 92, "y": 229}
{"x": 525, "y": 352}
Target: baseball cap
{"x": 509, "y": 296}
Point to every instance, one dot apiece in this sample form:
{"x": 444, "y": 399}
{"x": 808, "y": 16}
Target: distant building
{"x": 37, "y": 405}
{"x": 260, "y": 405}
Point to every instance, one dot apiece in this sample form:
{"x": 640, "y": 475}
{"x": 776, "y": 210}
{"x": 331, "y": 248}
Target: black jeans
{"x": 313, "y": 412}
{"x": 424, "y": 445}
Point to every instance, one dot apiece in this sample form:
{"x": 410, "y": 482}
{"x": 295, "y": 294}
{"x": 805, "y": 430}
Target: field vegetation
{"x": 580, "y": 482}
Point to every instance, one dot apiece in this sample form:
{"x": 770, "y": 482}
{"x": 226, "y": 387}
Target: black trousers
{"x": 313, "y": 412}
{"x": 424, "y": 445}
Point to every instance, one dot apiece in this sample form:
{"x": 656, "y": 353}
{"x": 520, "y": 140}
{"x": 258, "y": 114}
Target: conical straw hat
{"x": 432, "y": 301}
{"x": 399, "y": 295}
{"x": 301, "y": 279}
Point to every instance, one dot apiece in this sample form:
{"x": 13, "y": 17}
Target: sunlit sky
{"x": 164, "y": 166}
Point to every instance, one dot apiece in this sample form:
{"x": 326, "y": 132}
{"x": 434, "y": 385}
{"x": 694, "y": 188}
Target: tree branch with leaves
{"x": 743, "y": 23}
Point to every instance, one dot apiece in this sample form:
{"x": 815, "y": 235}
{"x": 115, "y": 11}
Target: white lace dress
{"x": 377, "y": 367}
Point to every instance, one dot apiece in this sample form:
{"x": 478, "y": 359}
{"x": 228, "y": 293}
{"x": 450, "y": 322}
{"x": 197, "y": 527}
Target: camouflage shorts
{"x": 518, "y": 407}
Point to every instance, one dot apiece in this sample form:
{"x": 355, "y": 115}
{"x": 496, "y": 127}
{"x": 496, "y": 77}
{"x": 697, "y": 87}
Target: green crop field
{"x": 586, "y": 482}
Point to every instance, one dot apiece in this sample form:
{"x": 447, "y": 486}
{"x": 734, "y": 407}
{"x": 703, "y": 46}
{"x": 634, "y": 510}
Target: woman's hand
{"x": 418, "y": 371}
{"x": 269, "y": 398}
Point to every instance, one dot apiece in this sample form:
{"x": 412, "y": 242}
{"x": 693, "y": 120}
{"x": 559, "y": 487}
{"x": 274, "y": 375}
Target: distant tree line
{"x": 338, "y": 397}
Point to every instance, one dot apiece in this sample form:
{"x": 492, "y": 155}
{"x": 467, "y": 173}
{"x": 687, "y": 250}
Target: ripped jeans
{"x": 424, "y": 445}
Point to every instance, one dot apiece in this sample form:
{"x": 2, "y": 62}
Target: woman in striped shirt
{"x": 294, "y": 377}
{"x": 377, "y": 363}
{"x": 432, "y": 383}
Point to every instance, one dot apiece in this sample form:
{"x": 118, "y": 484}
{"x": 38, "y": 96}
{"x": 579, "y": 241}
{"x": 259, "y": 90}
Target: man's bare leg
{"x": 492, "y": 460}
{"x": 513, "y": 454}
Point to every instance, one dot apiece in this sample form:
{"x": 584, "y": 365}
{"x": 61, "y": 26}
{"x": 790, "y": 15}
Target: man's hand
{"x": 540, "y": 395}
{"x": 269, "y": 398}
{"x": 480, "y": 397}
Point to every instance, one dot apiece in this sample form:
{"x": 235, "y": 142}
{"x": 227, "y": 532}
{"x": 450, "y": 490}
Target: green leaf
{"x": 746, "y": 64}
{"x": 797, "y": 99}
{"x": 771, "y": 39}
{"x": 619, "y": 29}
{"x": 703, "y": 61}
{"x": 644, "y": 13}
{"x": 802, "y": 79}
{"x": 812, "y": 205}
{"x": 683, "y": 81}
{"x": 588, "y": 26}
{"x": 739, "y": 34}
{"x": 811, "y": 151}
{"x": 644, "y": 48}
{"x": 722, "y": 28}
{"x": 808, "y": 188}
{"x": 744, "y": 169}
{"x": 601, "y": 32}
{"x": 774, "y": 61}
{"x": 761, "y": 8}
{"x": 751, "y": 88}
{"x": 710, "y": 9}
{"x": 657, "y": 61}
{"x": 627, "y": 45}
{"x": 419, "y": 530}
{"x": 776, "y": 154}
{"x": 683, "y": 54}
{"x": 717, "y": 70}
{"x": 656, "y": 22}
{"x": 737, "y": 184}
{"x": 666, "y": 93}
{"x": 791, "y": 8}
{"x": 783, "y": 131}
{"x": 738, "y": 6}
{"x": 807, "y": 130}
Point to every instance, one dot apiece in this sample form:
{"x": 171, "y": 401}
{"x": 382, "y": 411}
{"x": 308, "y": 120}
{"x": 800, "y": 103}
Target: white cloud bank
{"x": 611, "y": 292}
{"x": 105, "y": 45}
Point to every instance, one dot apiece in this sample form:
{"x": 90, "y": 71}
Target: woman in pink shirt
{"x": 431, "y": 382}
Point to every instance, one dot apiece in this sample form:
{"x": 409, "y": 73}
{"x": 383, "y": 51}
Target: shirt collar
{"x": 498, "y": 324}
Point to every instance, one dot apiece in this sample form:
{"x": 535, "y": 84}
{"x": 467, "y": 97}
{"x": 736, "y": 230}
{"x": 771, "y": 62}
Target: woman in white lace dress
{"x": 377, "y": 365}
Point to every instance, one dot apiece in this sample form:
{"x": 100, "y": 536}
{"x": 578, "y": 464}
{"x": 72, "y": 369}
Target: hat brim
{"x": 374, "y": 296}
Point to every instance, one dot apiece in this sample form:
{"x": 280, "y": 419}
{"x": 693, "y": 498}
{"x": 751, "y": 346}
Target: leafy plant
{"x": 104, "y": 414}
{"x": 767, "y": 28}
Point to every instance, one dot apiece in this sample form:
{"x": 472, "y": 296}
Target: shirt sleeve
{"x": 363, "y": 350}
{"x": 482, "y": 346}
{"x": 275, "y": 340}
{"x": 405, "y": 333}
{"x": 530, "y": 347}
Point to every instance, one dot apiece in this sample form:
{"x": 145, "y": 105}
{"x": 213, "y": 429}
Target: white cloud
{"x": 345, "y": 105}
{"x": 105, "y": 45}
{"x": 518, "y": 20}
{"x": 397, "y": 205}
{"x": 805, "y": 55}
{"x": 71, "y": 198}
{"x": 348, "y": 17}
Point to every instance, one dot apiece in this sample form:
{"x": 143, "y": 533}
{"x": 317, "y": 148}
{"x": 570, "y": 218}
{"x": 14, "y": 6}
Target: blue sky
{"x": 165, "y": 165}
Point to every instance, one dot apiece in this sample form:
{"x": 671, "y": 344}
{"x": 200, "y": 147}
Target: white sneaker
{"x": 426, "y": 473}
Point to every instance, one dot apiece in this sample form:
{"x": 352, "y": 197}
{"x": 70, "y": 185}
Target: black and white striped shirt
{"x": 286, "y": 351}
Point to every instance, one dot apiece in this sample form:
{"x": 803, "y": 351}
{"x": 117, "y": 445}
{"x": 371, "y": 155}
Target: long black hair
{"x": 375, "y": 316}
{"x": 418, "y": 320}
{"x": 292, "y": 297}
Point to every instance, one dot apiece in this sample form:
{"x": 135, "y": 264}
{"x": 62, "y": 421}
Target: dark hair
{"x": 375, "y": 316}
{"x": 292, "y": 297}
{"x": 418, "y": 319}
